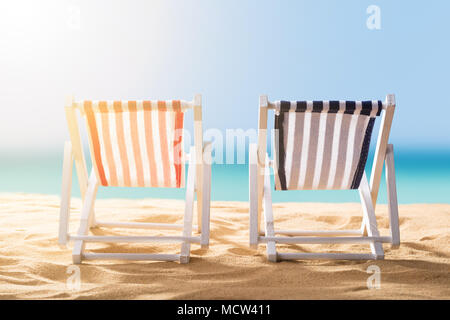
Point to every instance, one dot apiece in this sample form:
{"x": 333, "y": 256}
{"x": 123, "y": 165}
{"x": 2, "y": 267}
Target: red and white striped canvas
{"x": 136, "y": 143}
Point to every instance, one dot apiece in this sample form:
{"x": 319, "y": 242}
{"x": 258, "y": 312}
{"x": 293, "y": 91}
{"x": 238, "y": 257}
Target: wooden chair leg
{"x": 268, "y": 215}
{"x": 370, "y": 220}
{"x": 206, "y": 206}
{"x": 199, "y": 193}
{"x": 64, "y": 214}
{"x": 86, "y": 212}
{"x": 253, "y": 196}
{"x": 392, "y": 196}
{"x": 261, "y": 153}
{"x": 189, "y": 209}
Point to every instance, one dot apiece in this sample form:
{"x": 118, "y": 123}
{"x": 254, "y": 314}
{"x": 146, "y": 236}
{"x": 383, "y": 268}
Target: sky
{"x": 230, "y": 52}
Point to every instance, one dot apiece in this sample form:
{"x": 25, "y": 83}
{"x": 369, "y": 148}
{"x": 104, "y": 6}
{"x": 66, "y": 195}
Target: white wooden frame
{"x": 261, "y": 200}
{"x": 198, "y": 182}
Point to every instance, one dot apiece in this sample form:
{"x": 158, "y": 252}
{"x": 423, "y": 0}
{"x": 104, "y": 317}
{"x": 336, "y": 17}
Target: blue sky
{"x": 230, "y": 51}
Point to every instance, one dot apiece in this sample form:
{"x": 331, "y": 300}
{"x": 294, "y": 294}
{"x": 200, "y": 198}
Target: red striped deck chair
{"x": 323, "y": 145}
{"x": 136, "y": 144}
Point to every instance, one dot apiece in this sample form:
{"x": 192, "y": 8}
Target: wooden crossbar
{"x": 275, "y": 105}
{"x": 131, "y": 256}
{"x": 140, "y": 225}
{"x": 131, "y": 239}
{"x": 327, "y": 256}
{"x": 317, "y": 233}
{"x": 318, "y": 240}
{"x": 185, "y": 105}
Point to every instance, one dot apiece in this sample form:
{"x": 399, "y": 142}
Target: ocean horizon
{"x": 423, "y": 176}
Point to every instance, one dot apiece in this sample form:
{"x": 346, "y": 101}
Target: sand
{"x": 33, "y": 266}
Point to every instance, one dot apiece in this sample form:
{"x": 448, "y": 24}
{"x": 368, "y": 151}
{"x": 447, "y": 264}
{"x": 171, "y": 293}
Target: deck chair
{"x": 323, "y": 145}
{"x": 136, "y": 144}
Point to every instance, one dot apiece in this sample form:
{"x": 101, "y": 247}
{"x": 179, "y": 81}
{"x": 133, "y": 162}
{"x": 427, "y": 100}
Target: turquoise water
{"x": 423, "y": 176}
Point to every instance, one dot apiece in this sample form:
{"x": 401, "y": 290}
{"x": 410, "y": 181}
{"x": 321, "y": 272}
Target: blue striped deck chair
{"x": 323, "y": 145}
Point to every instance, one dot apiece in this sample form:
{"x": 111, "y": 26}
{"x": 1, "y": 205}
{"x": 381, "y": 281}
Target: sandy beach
{"x": 33, "y": 266}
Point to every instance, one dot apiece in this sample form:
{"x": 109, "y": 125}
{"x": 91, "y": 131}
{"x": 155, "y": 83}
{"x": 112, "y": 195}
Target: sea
{"x": 423, "y": 176}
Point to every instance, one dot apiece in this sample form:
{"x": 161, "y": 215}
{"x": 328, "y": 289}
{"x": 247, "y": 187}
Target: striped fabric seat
{"x": 136, "y": 143}
{"x": 322, "y": 144}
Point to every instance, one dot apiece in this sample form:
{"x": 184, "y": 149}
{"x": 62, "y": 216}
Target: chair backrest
{"x": 322, "y": 144}
{"x": 136, "y": 143}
